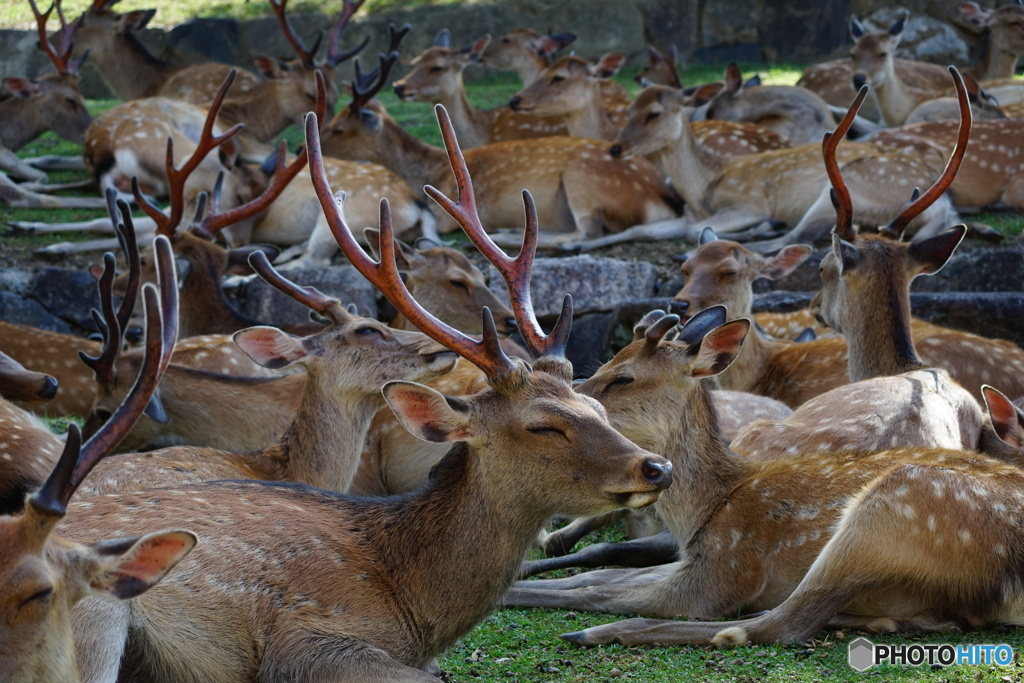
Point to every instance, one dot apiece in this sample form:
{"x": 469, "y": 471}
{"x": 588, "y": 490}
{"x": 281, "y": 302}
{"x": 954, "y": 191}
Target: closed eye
{"x": 653, "y": 115}
{"x": 549, "y": 431}
{"x": 367, "y": 330}
{"x": 618, "y": 382}
{"x": 459, "y": 284}
{"x": 557, "y": 79}
{"x": 38, "y": 596}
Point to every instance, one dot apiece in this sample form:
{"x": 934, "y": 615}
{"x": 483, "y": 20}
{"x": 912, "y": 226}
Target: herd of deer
{"x": 344, "y": 499}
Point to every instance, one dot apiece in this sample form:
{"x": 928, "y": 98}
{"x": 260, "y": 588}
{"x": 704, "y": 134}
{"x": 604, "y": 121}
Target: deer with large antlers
{"x": 43, "y": 574}
{"x": 730, "y": 195}
{"x": 580, "y": 190}
{"x": 53, "y": 102}
{"x": 396, "y": 565}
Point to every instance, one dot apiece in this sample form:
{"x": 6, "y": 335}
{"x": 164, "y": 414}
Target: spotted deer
{"x": 52, "y": 102}
{"x": 524, "y": 51}
{"x": 795, "y": 113}
{"x": 396, "y": 564}
{"x": 580, "y": 190}
{"x": 983, "y": 105}
{"x": 43, "y": 574}
{"x": 780, "y": 531}
{"x": 730, "y": 195}
{"x": 436, "y": 77}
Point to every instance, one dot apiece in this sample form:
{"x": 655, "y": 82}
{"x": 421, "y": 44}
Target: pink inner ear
{"x": 149, "y": 559}
{"x": 269, "y": 346}
{"x": 788, "y": 259}
{"x": 22, "y": 87}
{"x": 266, "y": 65}
{"x": 733, "y": 78}
{"x": 1004, "y": 416}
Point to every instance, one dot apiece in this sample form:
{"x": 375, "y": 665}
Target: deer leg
{"x": 108, "y": 244}
{"x": 100, "y": 627}
{"x": 561, "y": 541}
{"x": 17, "y": 197}
{"x": 52, "y": 162}
{"x": 814, "y": 224}
{"x": 642, "y": 552}
{"x": 10, "y": 163}
{"x": 724, "y": 222}
{"x": 317, "y": 658}
{"x": 100, "y": 225}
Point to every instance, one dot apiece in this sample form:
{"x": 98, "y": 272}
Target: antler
{"x": 334, "y": 57}
{"x": 209, "y": 222}
{"x": 920, "y": 202}
{"x": 305, "y": 55}
{"x": 516, "y": 272}
{"x": 366, "y": 86}
{"x": 485, "y": 354}
{"x": 840, "y": 194}
{"x": 176, "y": 177}
{"x": 61, "y": 60}
{"x": 310, "y": 297}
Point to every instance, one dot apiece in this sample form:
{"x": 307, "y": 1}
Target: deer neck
{"x": 997, "y": 63}
{"x": 878, "y": 338}
{"x": 753, "y": 357}
{"x": 323, "y": 444}
{"x": 23, "y": 121}
{"x": 205, "y": 308}
{"x": 472, "y": 124}
{"x": 415, "y": 161}
{"x": 424, "y": 546}
{"x": 589, "y": 120}
{"x": 691, "y": 168}
{"x": 896, "y": 99}
{"x": 130, "y": 70}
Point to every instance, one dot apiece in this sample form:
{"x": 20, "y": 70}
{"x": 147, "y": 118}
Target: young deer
{"x": 795, "y": 113}
{"x": 436, "y": 77}
{"x": 581, "y": 191}
{"x": 52, "y": 102}
{"x": 43, "y": 575}
{"x": 398, "y": 573}
{"x": 525, "y": 51}
{"x": 729, "y": 195}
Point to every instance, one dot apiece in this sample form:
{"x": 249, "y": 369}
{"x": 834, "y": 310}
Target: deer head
{"x": 566, "y": 85}
{"x": 656, "y": 119}
{"x": 437, "y": 73}
{"x": 873, "y": 54}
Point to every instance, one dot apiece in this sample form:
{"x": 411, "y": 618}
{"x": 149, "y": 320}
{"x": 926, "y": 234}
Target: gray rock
{"x": 263, "y": 302}
{"x": 998, "y": 270}
{"x": 802, "y": 30}
{"x": 264, "y": 37}
{"x": 998, "y": 315}
{"x": 925, "y": 37}
{"x": 596, "y": 284}
{"x": 22, "y": 311}
{"x": 69, "y": 294}
{"x": 16, "y": 280}
{"x": 217, "y": 40}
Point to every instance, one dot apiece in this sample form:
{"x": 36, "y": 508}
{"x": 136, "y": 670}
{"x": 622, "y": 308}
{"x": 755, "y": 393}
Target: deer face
{"x": 873, "y": 54}
{"x": 559, "y": 90}
{"x": 99, "y": 25}
{"x": 656, "y": 120}
{"x": 436, "y": 75}
{"x": 357, "y": 134}
{"x": 56, "y": 102}
{"x": 295, "y": 85}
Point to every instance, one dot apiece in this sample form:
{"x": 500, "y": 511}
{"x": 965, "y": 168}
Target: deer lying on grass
{"x": 983, "y": 106}
{"x": 43, "y": 575}
{"x": 795, "y": 113}
{"x": 385, "y": 613}
{"x": 52, "y": 102}
{"x": 436, "y": 77}
{"x": 729, "y": 195}
{"x": 581, "y": 191}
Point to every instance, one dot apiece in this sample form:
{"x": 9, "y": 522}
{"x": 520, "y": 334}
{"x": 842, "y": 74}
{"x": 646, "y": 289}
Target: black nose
{"x": 658, "y": 472}
{"x": 399, "y": 89}
{"x": 49, "y": 389}
{"x": 615, "y": 151}
{"x": 514, "y": 102}
{"x": 859, "y": 80}
{"x": 510, "y": 325}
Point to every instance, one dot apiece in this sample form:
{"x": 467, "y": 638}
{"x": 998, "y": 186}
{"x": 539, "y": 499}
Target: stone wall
{"x": 720, "y": 31}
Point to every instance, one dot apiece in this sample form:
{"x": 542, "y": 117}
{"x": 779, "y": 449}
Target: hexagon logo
{"x": 862, "y": 654}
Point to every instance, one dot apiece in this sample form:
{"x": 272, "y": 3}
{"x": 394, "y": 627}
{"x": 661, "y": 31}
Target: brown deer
{"x": 660, "y": 69}
{"x": 43, "y": 575}
{"x": 386, "y": 611}
{"x": 580, "y": 189}
{"x": 436, "y": 77}
{"x": 524, "y": 51}
{"x": 53, "y": 102}
{"x": 795, "y": 113}
{"x": 983, "y": 106}
{"x": 1005, "y": 39}
{"x": 729, "y": 195}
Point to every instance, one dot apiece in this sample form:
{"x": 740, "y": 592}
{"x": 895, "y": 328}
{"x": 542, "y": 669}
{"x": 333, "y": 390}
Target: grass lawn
{"x": 522, "y": 645}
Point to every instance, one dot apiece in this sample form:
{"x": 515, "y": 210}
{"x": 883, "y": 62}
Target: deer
{"x": 795, "y": 113}
{"x": 524, "y": 51}
{"x": 732, "y": 194}
{"x": 580, "y": 189}
{"x": 660, "y": 69}
{"x": 571, "y": 88}
{"x": 44, "y": 574}
{"x": 360, "y": 636}
{"x": 983, "y": 106}
{"x": 52, "y": 102}
{"x": 436, "y": 77}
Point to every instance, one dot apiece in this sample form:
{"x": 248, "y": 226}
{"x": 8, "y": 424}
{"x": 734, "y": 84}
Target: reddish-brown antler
{"x": 840, "y": 193}
{"x": 334, "y": 56}
{"x": 61, "y": 59}
{"x": 515, "y": 271}
{"x": 485, "y": 354}
{"x": 305, "y": 55}
{"x": 310, "y": 297}
{"x": 166, "y": 224}
{"x": 366, "y": 86}
{"x": 209, "y": 222}
{"x": 920, "y": 202}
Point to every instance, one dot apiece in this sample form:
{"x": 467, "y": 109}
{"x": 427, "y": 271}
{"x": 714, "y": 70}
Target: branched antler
{"x": 61, "y": 59}
{"x": 334, "y": 56}
{"x": 305, "y": 55}
{"x": 367, "y": 85}
{"x": 310, "y": 297}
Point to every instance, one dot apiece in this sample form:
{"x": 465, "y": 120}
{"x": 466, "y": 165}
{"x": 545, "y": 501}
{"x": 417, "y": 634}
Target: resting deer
{"x": 524, "y": 51}
{"x": 52, "y": 102}
{"x": 386, "y": 612}
{"x": 43, "y": 575}
{"x": 580, "y": 190}
{"x": 983, "y": 106}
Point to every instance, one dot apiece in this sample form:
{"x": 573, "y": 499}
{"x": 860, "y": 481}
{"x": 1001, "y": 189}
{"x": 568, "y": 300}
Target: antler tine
{"x": 305, "y": 54}
{"x": 130, "y": 246}
{"x": 177, "y": 177}
{"x": 334, "y": 57}
{"x": 515, "y": 271}
{"x": 107, "y": 321}
{"x": 395, "y": 36}
{"x": 161, "y": 307}
{"x": 310, "y": 297}
{"x": 840, "y": 193}
{"x": 485, "y": 354}
{"x": 213, "y": 221}
{"x": 366, "y": 86}
{"x": 919, "y": 204}
{"x": 60, "y": 59}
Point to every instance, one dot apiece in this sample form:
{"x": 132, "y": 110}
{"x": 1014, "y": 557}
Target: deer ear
{"x": 856, "y": 28}
{"x": 930, "y": 255}
{"x": 1007, "y": 419}
{"x": 733, "y": 78}
{"x": 405, "y": 255}
{"x": 786, "y": 261}
{"x": 546, "y": 46}
{"x": 974, "y": 13}
{"x": 719, "y": 348}
{"x": 135, "y": 21}
{"x": 24, "y": 88}
{"x": 705, "y": 93}
{"x": 847, "y": 255}
{"x": 475, "y": 50}
{"x": 269, "y": 346}
{"x": 131, "y": 566}
{"x": 427, "y": 413}
{"x": 268, "y": 66}
{"x": 608, "y": 65}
